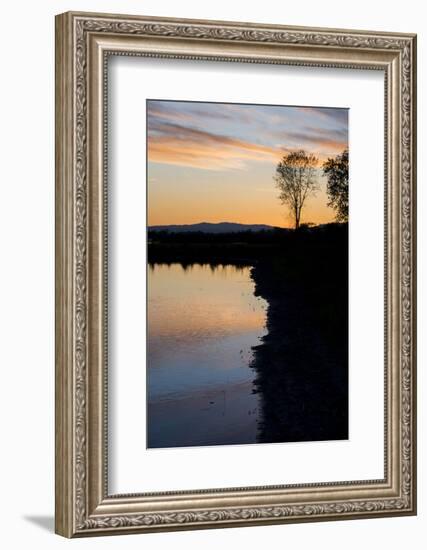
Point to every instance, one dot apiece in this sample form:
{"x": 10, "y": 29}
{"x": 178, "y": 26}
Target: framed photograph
{"x": 235, "y": 274}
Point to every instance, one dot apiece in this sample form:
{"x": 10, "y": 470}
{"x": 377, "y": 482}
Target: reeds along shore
{"x": 302, "y": 363}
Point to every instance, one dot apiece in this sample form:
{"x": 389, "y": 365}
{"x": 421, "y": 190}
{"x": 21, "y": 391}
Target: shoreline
{"x": 301, "y": 364}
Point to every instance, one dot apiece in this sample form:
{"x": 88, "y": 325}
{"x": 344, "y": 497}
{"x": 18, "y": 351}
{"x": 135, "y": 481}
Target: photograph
{"x": 247, "y": 273}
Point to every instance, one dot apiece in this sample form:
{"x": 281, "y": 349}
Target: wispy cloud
{"x": 177, "y": 144}
{"x": 214, "y": 136}
{"x": 339, "y": 116}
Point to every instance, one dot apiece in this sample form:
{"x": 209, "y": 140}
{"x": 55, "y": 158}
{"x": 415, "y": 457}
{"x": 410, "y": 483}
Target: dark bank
{"x": 301, "y": 363}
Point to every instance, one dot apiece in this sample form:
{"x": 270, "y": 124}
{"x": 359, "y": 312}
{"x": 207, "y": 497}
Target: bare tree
{"x": 296, "y": 180}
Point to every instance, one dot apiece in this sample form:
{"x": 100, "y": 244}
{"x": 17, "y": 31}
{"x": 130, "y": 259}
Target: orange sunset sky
{"x": 215, "y": 162}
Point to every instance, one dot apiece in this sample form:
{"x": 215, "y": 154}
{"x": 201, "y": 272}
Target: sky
{"x": 215, "y": 162}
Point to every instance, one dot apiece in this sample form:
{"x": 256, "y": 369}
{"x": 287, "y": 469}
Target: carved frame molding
{"x": 83, "y": 44}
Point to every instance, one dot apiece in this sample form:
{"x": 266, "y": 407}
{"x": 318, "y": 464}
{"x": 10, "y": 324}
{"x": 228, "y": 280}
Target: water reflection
{"x": 203, "y": 321}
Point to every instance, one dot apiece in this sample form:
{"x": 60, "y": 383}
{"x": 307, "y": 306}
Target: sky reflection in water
{"x": 202, "y": 324}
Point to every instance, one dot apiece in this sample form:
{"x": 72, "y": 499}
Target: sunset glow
{"x": 215, "y": 162}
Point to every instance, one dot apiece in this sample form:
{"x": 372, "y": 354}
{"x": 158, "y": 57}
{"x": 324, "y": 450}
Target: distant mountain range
{"x": 205, "y": 227}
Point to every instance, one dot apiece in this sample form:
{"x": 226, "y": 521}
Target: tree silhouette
{"x": 336, "y": 170}
{"x": 296, "y": 180}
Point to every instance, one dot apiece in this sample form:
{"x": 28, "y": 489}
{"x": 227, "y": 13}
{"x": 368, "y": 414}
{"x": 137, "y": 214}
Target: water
{"x": 202, "y": 324}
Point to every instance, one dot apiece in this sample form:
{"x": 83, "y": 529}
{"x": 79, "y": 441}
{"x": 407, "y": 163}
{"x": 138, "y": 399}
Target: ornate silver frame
{"x": 83, "y": 42}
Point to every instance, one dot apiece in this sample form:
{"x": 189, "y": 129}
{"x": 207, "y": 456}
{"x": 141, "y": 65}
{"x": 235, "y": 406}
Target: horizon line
{"x": 236, "y": 223}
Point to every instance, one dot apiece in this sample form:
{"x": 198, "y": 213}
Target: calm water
{"x": 202, "y": 324}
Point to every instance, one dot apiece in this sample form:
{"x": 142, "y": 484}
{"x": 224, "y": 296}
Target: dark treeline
{"x": 191, "y": 237}
{"x": 247, "y": 247}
